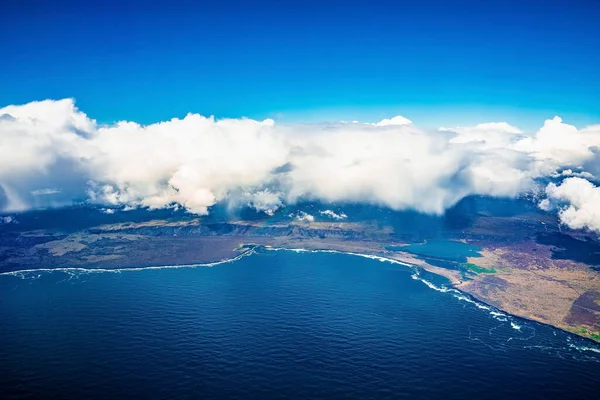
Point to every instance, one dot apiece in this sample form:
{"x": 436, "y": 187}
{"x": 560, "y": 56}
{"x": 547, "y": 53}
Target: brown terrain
{"x": 561, "y": 293}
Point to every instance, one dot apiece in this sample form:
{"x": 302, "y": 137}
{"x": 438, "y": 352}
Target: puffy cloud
{"x": 333, "y": 215}
{"x": 558, "y": 144}
{"x": 262, "y": 200}
{"x": 545, "y": 205}
{"x": 303, "y": 217}
{"x": 52, "y": 154}
{"x": 570, "y": 172}
{"x": 194, "y": 162}
{"x": 42, "y": 143}
{"x": 400, "y": 167}
{"x": 394, "y": 121}
{"x": 488, "y": 135}
{"x": 578, "y": 201}
{"x": 495, "y": 167}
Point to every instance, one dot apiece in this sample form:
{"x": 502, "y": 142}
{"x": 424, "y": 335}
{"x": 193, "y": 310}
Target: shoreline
{"x": 249, "y": 249}
{"x": 454, "y": 285}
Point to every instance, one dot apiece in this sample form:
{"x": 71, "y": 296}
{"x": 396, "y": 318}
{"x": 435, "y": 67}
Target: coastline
{"x": 455, "y": 284}
{"x": 454, "y": 278}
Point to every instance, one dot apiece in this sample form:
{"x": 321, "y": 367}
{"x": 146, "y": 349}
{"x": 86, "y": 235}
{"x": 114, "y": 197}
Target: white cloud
{"x": 44, "y": 192}
{"x": 194, "y": 162}
{"x": 545, "y": 205}
{"x": 558, "y": 144}
{"x": 570, "y": 172}
{"x": 488, "y": 135}
{"x": 400, "y": 167}
{"x": 578, "y": 201}
{"x": 52, "y": 154}
{"x": 303, "y": 217}
{"x": 394, "y": 121}
{"x": 264, "y": 200}
{"x": 333, "y": 215}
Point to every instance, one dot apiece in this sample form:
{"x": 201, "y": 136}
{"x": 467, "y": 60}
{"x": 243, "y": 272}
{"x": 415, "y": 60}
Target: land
{"x": 561, "y": 293}
{"x": 525, "y": 266}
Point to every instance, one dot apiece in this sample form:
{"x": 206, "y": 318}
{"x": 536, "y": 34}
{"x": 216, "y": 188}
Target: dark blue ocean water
{"x": 277, "y": 324}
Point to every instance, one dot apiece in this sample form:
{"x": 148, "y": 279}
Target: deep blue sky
{"x": 446, "y": 61}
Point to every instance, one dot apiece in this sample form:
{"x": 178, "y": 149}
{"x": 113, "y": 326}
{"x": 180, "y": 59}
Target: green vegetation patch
{"x": 584, "y": 331}
{"x": 477, "y": 269}
{"x": 443, "y": 249}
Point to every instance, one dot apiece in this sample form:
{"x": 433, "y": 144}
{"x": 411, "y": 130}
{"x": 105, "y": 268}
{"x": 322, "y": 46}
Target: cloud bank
{"x": 52, "y": 154}
{"x": 578, "y": 202}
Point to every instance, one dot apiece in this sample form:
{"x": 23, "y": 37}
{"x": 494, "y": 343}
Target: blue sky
{"x": 436, "y": 62}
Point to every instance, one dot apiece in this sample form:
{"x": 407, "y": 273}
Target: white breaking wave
{"x": 369, "y": 256}
{"x": 585, "y": 348}
{"x": 30, "y": 273}
{"x": 515, "y": 326}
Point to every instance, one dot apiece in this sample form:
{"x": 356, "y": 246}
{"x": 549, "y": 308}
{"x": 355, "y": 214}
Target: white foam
{"x": 515, "y": 326}
{"x": 585, "y": 348}
{"x": 31, "y": 273}
{"x": 369, "y": 256}
{"x": 430, "y": 285}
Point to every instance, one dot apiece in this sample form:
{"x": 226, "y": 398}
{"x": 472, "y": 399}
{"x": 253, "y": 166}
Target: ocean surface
{"x": 275, "y": 324}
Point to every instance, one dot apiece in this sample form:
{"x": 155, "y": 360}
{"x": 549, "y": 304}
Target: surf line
{"x": 23, "y": 273}
{"x": 456, "y": 293}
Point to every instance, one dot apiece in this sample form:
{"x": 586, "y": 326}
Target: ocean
{"x": 275, "y": 324}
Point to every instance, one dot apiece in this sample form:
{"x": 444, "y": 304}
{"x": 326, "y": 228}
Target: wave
{"x": 36, "y": 272}
{"x": 363, "y": 255}
{"x": 585, "y": 348}
{"x": 515, "y": 326}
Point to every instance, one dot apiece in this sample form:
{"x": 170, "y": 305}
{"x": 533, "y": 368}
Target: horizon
{"x": 318, "y": 117}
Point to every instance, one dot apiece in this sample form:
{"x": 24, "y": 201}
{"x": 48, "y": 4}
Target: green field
{"x": 477, "y": 269}
{"x": 444, "y": 249}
